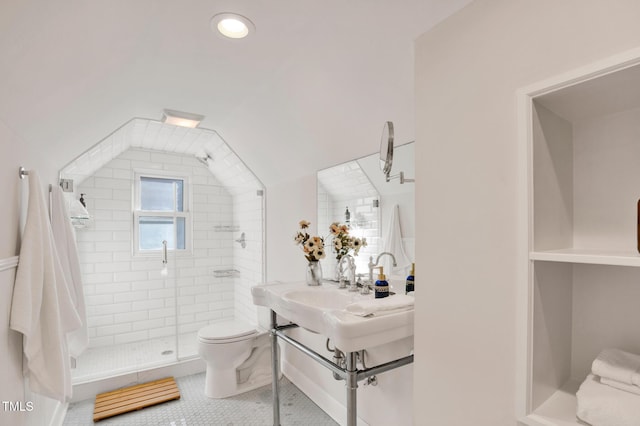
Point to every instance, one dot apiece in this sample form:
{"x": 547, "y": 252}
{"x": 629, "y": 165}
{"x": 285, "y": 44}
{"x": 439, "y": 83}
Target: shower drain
{"x": 167, "y": 352}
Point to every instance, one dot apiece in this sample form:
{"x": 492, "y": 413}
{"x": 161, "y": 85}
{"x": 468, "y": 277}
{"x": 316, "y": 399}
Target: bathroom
{"x": 447, "y": 79}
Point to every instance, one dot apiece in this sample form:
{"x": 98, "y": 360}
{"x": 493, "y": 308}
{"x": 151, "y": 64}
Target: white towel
{"x": 41, "y": 307}
{"x": 619, "y": 385}
{"x": 601, "y": 405}
{"x": 65, "y": 242}
{"x": 383, "y": 306}
{"x": 393, "y": 244}
{"x": 621, "y": 366}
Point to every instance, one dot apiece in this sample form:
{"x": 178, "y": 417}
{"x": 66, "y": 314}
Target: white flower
{"x": 310, "y": 245}
{"x": 357, "y": 245}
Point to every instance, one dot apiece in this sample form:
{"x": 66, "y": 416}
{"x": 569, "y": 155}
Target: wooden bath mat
{"x": 133, "y": 398}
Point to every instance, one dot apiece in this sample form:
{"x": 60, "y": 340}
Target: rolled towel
{"x": 383, "y": 306}
{"x": 619, "y": 385}
{"x": 621, "y": 366}
{"x": 601, "y": 405}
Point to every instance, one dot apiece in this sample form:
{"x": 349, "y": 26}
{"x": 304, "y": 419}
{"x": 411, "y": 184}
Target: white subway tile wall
{"x": 127, "y": 298}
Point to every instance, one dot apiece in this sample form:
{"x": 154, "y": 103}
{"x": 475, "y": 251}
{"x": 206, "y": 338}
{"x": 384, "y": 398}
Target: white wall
{"x": 10, "y": 353}
{"x": 10, "y": 209}
{"x": 468, "y": 69}
{"x": 287, "y": 204}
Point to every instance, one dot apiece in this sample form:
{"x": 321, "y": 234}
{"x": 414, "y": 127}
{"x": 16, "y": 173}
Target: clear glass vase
{"x": 314, "y": 273}
{"x": 338, "y": 271}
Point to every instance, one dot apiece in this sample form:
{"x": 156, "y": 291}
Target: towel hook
{"x": 22, "y": 172}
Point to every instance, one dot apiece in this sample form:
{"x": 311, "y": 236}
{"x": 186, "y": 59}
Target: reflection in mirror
{"x": 347, "y": 196}
{"x": 371, "y": 201}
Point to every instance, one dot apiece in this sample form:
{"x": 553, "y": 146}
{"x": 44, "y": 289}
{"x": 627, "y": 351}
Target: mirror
{"x": 357, "y": 194}
{"x": 386, "y": 149}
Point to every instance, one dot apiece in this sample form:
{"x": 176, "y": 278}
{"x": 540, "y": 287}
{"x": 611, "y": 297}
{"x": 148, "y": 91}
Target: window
{"x": 161, "y": 213}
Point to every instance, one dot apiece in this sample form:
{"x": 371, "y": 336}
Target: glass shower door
{"x": 203, "y": 296}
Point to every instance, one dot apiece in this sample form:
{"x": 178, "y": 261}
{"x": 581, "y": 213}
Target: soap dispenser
{"x": 410, "y": 280}
{"x": 382, "y": 286}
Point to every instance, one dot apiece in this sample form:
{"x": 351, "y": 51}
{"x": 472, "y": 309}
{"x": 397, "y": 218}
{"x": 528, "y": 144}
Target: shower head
{"x": 204, "y": 158}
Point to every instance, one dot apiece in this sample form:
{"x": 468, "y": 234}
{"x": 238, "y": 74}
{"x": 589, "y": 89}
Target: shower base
{"x": 108, "y": 361}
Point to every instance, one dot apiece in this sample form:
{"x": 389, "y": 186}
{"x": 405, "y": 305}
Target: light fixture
{"x": 232, "y": 25}
{"x": 183, "y": 119}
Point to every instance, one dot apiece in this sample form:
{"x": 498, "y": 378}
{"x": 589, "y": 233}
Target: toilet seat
{"x": 226, "y": 332}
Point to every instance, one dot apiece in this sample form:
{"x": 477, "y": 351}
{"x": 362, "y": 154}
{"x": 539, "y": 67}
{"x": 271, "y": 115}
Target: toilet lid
{"x": 225, "y": 331}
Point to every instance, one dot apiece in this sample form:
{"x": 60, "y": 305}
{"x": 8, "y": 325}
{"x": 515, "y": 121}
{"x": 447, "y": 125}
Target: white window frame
{"x": 137, "y": 212}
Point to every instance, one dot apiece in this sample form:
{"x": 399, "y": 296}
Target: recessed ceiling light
{"x": 232, "y": 25}
{"x": 183, "y": 119}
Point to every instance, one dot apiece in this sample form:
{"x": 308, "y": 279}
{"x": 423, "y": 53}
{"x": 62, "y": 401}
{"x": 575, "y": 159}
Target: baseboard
{"x": 57, "y": 419}
{"x": 335, "y": 409}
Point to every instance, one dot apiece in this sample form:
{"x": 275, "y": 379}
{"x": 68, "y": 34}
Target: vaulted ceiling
{"x": 205, "y": 145}
{"x": 312, "y": 87}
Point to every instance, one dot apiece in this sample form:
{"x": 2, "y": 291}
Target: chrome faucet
{"x": 373, "y": 265}
{"x": 351, "y": 266}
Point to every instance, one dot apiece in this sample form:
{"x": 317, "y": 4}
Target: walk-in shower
{"x": 149, "y": 183}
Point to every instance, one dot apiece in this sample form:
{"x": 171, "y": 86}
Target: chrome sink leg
{"x": 352, "y": 387}
{"x": 275, "y": 363}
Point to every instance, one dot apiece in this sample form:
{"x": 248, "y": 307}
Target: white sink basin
{"x": 321, "y": 310}
{"x": 324, "y": 299}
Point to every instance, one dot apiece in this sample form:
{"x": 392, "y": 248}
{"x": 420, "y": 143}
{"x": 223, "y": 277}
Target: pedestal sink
{"x": 322, "y": 310}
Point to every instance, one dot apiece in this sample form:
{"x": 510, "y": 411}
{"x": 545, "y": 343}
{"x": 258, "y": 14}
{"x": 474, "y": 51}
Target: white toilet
{"x": 238, "y": 358}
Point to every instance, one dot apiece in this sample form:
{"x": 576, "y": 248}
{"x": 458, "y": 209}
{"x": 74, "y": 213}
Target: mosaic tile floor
{"x": 108, "y": 361}
{"x": 195, "y": 409}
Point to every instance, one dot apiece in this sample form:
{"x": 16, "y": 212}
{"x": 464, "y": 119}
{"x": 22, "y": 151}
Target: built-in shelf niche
{"x": 583, "y": 184}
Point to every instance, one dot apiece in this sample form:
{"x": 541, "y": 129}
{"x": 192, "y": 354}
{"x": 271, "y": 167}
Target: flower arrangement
{"x": 343, "y": 243}
{"x": 313, "y": 247}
